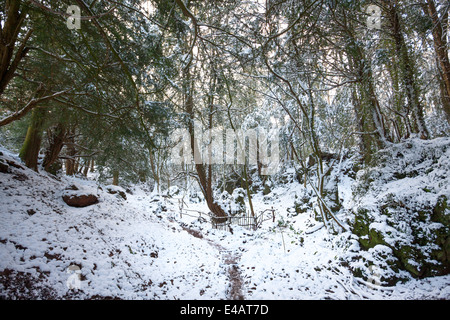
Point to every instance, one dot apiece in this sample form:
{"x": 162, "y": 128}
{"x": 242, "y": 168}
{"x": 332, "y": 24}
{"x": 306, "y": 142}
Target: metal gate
{"x": 247, "y": 221}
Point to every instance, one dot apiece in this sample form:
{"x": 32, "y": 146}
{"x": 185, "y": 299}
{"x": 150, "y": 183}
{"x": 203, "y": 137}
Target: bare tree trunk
{"x": 115, "y": 181}
{"x": 363, "y": 141}
{"x": 76, "y": 166}
{"x": 71, "y": 152}
{"x": 86, "y": 167}
{"x": 10, "y": 56}
{"x": 56, "y": 142}
{"x": 441, "y": 50}
{"x": 154, "y": 169}
{"x": 370, "y": 120}
{"x": 407, "y": 73}
{"x": 30, "y": 149}
{"x": 205, "y": 183}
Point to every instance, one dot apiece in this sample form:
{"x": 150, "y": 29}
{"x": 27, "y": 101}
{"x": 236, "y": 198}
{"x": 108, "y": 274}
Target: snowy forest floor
{"x": 140, "y": 248}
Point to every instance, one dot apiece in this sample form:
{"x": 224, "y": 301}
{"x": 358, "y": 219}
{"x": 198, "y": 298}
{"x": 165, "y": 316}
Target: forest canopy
{"x": 90, "y": 84}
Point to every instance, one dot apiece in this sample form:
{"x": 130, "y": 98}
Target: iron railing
{"x": 246, "y": 221}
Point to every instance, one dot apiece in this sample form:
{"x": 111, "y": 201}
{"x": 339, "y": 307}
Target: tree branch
{"x": 67, "y": 15}
{"x": 33, "y": 103}
{"x": 187, "y": 13}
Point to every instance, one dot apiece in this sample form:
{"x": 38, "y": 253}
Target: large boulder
{"x": 80, "y": 200}
{"x": 74, "y": 197}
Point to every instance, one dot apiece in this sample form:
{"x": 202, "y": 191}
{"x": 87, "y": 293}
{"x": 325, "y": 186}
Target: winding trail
{"x": 230, "y": 260}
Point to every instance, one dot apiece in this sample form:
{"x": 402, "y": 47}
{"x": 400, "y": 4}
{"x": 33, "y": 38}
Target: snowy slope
{"x": 124, "y": 249}
{"x": 140, "y": 248}
{"x": 400, "y": 210}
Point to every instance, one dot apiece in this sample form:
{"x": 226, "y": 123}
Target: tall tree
{"x": 408, "y": 70}
{"x": 13, "y": 39}
{"x": 440, "y": 29}
{"x": 32, "y": 144}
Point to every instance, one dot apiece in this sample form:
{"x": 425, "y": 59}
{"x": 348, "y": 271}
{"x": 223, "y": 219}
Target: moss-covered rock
{"x": 397, "y": 210}
{"x": 422, "y": 249}
{"x": 408, "y": 258}
{"x": 267, "y": 189}
{"x": 300, "y": 207}
{"x": 230, "y": 182}
{"x": 367, "y": 237}
{"x": 441, "y": 215}
{"x": 302, "y": 204}
{"x": 55, "y": 168}
{"x": 332, "y": 197}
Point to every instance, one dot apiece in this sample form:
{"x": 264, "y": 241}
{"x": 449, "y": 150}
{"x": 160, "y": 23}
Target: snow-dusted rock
{"x": 112, "y": 189}
{"x": 80, "y": 200}
{"x": 75, "y": 197}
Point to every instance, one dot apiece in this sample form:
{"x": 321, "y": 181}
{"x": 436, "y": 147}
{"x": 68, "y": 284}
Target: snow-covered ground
{"x": 140, "y": 248}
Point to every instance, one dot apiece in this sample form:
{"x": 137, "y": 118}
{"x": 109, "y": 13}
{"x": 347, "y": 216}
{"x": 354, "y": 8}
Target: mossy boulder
{"x": 302, "y": 204}
{"x": 267, "y": 189}
{"x": 440, "y": 211}
{"x": 409, "y": 257}
{"x": 332, "y": 197}
{"x": 237, "y": 205}
{"x": 80, "y": 200}
{"x": 403, "y": 206}
{"x": 55, "y": 168}
{"x": 441, "y": 214}
{"x": 422, "y": 249}
{"x": 367, "y": 237}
